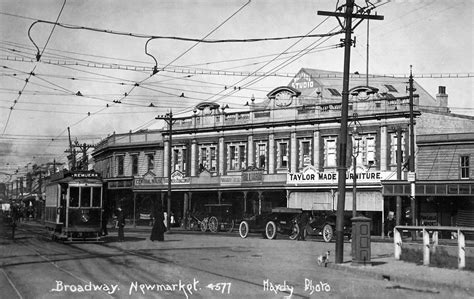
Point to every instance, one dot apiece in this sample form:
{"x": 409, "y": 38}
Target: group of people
{"x": 157, "y": 232}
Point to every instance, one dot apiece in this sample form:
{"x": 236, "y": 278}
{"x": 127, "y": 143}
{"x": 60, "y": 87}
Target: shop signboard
{"x": 230, "y": 180}
{"x": 311, "y": 176}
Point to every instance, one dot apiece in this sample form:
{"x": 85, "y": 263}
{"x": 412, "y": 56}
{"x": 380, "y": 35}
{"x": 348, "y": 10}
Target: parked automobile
{"x": 280, "y": 220}
{"x": 323, "y": 223}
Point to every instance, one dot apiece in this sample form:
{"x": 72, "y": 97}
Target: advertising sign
{"x": 311, "y": 176}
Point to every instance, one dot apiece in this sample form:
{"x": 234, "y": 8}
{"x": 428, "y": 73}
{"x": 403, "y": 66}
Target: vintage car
{"x": 323, "y": 223}
{"x": 279, "y": 220}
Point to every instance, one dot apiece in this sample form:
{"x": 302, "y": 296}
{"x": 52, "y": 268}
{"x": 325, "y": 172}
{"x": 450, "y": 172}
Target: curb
{"x": 364, "y": 270}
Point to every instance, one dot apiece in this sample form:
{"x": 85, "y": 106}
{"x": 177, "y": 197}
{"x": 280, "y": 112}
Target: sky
{"x": 99, "y": 50}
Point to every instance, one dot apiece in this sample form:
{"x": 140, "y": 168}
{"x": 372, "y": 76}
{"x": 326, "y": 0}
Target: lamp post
{"x": 355, "y": 153}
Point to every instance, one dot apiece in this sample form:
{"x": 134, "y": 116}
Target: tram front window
{"x": 96, "y": 196}
{"x": 74, "y": 196}
{"x": 86, "y": 197}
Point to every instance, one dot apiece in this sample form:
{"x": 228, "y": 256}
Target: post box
{"x": 361, "y": 241}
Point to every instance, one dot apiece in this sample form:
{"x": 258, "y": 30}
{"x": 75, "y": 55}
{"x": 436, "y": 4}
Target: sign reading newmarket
{"x": 310, "y": 175}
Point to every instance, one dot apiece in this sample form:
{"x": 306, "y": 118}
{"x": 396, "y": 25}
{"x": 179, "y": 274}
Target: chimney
{"x": 442, "y": 97}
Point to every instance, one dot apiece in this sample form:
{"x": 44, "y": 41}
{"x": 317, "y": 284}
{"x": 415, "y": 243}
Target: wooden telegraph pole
{"x": 168, "y": 118}
{"x": 348, "y": 15}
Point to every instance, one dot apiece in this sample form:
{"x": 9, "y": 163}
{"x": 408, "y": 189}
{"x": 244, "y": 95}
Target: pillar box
{"x": 361, "y": 241}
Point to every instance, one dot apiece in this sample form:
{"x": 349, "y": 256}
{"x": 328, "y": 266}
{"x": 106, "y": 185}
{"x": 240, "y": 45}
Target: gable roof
{"x": 328, "y": 85}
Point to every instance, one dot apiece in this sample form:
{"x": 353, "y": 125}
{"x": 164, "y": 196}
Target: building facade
{"x": 120, "y": 158}
{"x": 277, "y": 152}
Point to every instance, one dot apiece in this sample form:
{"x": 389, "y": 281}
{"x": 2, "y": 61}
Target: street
{"x": 186, "y": 265}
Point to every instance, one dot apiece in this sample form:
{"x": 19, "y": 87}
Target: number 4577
{"x": 223, "y": 287}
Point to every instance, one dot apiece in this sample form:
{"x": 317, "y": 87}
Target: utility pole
{"x": 348, "y": 15}
{"x": 398, "y": 212}
{"x": 168, "y": 118}
{"x": 411, "y": 161}
{"x": 72, "y": 153}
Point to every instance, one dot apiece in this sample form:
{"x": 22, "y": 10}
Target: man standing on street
{"x": 121, "y": 224}
{"x": 302, "y": 222}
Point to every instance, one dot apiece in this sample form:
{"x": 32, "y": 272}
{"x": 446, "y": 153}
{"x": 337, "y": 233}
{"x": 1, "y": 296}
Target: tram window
{"x": 96, "y": 196}
{"x": 74, "y": 196}
{"x": 85, "y": 197}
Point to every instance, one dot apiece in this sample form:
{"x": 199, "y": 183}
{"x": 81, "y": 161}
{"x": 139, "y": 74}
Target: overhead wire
{"x": 138, "y": 84}
{"x": 34, "y": 68}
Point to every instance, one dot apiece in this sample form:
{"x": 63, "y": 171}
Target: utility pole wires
{"x": 348, "y": 15}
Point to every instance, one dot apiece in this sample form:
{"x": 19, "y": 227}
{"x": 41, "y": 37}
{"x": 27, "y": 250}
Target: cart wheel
{"x": 203, "y": 225}
{"x": 230, "y": 227}
{"x": 327, "y": 233}
{"x": 271, "y": 230}
{"x": 244, "y": 229}
{"x": 213, "y": 224}
{"x": 295, "y": 231}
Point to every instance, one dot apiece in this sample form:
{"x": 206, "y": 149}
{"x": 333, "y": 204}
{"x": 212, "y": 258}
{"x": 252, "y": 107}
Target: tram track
{"x": 33, "y": 248}
{"x": 142, "y": 254}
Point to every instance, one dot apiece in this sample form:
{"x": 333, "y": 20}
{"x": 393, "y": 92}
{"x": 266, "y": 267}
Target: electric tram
{"x": 73, "y": 206}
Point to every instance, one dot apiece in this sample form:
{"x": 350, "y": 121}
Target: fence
{"x": 426, "y": 230}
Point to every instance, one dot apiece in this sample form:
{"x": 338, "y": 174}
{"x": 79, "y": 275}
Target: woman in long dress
{"x": 158, "y": 230}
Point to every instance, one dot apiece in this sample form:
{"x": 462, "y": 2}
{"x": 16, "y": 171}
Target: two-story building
{"x": 277, "y": 152}
{"x": 120, "y": 158}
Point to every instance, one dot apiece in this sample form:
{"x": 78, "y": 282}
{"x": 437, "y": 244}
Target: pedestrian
{"x": 120, "y": 224}
{"x": 159, "y": 228}
{"x": 172, "y": 220}
{"x": 14, "y": 217}
{"x": 165, "y": 220}
{"x": 105, "y": 220}
{"x": 390, "y": 224}
{"x": 302, "y": 222}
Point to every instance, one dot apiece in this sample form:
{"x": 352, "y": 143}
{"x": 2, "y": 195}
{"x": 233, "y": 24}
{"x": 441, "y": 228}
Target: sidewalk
{"x": 384, "y": 265}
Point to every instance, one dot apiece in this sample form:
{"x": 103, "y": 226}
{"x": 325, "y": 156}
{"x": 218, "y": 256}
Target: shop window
{"x": 120, "y": 165}
{"x": 465, "y": 161}
{"x": 134, "y": 159}
{"x": 304, "y": 153}
{"x": 150, "y": 162}
{"x": 330, "y": 152}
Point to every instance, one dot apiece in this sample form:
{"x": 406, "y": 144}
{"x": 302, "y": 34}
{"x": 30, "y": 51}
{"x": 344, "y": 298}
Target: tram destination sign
{"x": 85, "y": 175}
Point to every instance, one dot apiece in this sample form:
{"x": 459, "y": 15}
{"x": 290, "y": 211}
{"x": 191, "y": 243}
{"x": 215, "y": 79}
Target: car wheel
{"x": 203, "y": 225}
{"x": 244, "y": 229}
{"x": 213, "y": 224}
{"x": 327, "y": 233}
{"x": 295, "y": 231}
{"x": 270, "y": 230}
